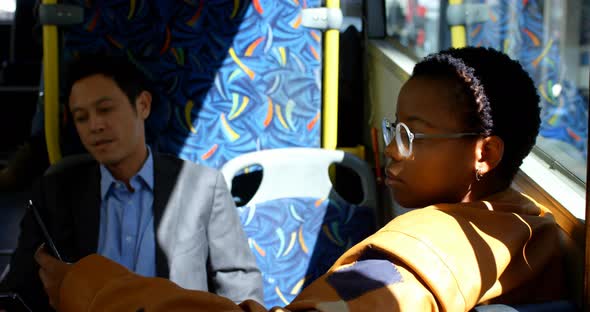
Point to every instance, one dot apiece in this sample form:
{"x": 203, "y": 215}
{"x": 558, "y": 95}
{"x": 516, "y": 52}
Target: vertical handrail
{"x": 458, "y": 32}
{"x": 330, "y": 102}
{"x": 51, "y": 90}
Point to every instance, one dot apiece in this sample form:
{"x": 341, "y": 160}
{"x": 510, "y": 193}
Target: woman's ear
{"x": 489, "y": 152}
{"x": 144, "y": 104}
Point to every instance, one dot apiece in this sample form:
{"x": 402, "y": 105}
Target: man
{"x": 154, "y": 214}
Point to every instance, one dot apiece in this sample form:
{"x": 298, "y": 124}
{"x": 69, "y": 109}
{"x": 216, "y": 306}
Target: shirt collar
{"x": 146, "y": 173}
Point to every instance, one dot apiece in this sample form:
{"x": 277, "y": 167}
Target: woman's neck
{"x": 488, "y": 186}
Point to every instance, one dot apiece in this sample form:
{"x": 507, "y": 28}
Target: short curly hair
{"x": 498, "y": 96}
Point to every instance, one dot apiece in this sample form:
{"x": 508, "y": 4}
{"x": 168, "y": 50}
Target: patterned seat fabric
{"x": 296, "y": 240}
{"x": 230, "y": 76}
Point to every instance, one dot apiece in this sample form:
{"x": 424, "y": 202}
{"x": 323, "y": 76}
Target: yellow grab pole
{"x": 330, "y": 103}
{"x": 51, "y": 81}
{"x": 458, "y": 32}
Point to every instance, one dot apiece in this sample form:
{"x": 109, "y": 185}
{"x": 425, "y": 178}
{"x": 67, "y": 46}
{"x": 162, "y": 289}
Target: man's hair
{"x": 125, "y": 75}
{"x": 497, "y": 96}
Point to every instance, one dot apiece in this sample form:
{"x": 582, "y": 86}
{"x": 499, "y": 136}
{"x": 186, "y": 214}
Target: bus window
{"x": 551, "y": 40}
{"x": 7, "y": 8}
{"x": 415, "y": 24}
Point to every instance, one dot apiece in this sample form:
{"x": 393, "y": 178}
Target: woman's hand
{"x": 52, "y": 273}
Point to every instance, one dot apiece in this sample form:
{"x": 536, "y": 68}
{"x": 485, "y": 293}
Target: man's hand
{"x": 52, "y": 273}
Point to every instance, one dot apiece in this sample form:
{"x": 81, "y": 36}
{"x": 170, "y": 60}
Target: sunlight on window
{"x": 415, "y": 23}
{"x": 8, "y": 6}
{"x": 7, "y": 9}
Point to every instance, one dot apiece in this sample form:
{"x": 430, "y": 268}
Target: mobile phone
{"x": 48, "y": 241}
{"x": 12, "y": 302}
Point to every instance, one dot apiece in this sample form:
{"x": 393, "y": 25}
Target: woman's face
{"x": 440, "y": 170}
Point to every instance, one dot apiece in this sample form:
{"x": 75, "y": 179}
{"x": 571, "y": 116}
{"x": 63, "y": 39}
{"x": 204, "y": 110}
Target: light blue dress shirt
{"x": 126, "y": 233}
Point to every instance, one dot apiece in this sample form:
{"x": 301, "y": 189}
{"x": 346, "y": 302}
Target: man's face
{"x": 111, "y": 129}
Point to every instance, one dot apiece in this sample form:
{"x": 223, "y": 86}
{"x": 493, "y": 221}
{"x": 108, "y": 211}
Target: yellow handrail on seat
{"x": 330, "y": 102}
{"x": 458, "y": 32}
{"x": 51, "y": 92}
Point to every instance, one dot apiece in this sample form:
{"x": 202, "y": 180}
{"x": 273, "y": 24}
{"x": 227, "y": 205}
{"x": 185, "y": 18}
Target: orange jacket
{"x": 447, "y": 257}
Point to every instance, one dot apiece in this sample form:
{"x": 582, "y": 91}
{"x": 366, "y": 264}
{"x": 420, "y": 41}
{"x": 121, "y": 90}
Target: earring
{"x": 478, "y": 175}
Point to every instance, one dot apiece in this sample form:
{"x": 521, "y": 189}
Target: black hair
{"x": 125, "y": 75}
{"x": 498, "y": 98}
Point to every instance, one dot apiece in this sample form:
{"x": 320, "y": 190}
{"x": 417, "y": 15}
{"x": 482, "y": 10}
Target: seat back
{"x": 300, "y": 172}
{"x": 6, "y": 253}
{"x": 5, "y": 270}
{"x": 68, "y": 162}
{"x": 230, "y": 77}
{"x": 63, "y": 164}
{"x": 296, "y": 224}
{"x": 12, "y": 210}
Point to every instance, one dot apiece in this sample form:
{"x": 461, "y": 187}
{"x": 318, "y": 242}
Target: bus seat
{"x": 63, "y": 164}
{"x": 4, "y": 271}
{"x": 230, "y": 77}
{"x": 68, "y": 162}
{"x": 297, "y": 225}
{"x": 12, "y": 209}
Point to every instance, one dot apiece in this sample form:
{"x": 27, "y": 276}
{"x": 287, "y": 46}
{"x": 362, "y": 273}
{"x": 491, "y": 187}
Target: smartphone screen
{"x": 48, "y": 241}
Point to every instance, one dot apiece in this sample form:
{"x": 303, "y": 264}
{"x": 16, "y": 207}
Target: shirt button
{"x": 129, "y": 239}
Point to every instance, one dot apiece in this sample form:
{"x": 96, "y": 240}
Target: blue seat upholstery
{"x": 230, "y": 76}
{"x": 297, "y": 224}
{"x": 296, "y": 240}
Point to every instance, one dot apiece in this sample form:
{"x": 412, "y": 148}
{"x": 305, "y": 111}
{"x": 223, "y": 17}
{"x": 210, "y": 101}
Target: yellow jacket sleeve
{"x": 99, "y": 284}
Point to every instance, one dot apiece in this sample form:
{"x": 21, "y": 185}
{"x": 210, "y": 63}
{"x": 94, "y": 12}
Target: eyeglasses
{"x": 404, "y": 137}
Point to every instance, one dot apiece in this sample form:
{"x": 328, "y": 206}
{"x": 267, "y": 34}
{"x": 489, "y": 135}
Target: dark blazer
{"x": 200, "y": 243}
